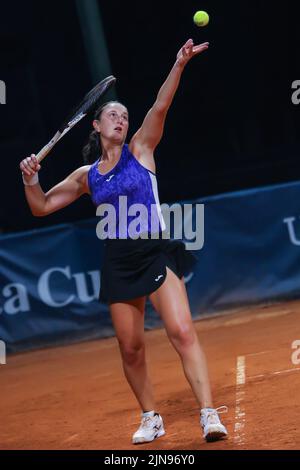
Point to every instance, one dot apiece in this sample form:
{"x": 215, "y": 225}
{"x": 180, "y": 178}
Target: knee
{"x": 133, "y": 353}
{"x": 183, "y": 336}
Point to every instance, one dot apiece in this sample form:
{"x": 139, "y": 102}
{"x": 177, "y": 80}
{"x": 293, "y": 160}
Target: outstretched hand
{"x": 189, "y": 50}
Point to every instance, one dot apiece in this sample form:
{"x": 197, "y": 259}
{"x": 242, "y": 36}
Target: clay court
{"x": 76, "y": 397}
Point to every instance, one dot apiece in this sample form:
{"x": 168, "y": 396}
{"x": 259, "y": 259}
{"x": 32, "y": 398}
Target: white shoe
{"x": 151, "y": 427}
{"x": 213, "y": 429}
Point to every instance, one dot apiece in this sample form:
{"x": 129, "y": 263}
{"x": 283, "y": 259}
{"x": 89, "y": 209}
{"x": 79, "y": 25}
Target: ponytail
{"x": 91, "y": 151}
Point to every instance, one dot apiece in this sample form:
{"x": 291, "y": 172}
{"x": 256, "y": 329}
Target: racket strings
{"x": 90, "y": 100}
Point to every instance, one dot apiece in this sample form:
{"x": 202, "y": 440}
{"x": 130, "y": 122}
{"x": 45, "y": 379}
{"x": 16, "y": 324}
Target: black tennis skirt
{"x": 137, "y": 267}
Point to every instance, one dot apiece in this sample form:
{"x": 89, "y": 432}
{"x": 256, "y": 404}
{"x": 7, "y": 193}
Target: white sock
{"x": 148, "y": 414}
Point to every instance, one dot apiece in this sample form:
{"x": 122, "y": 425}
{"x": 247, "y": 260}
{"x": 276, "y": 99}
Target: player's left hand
{"x": 189, "y": 50}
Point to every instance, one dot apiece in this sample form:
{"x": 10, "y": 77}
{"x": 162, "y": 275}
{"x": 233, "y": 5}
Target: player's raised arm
{"x": 151, "y": 131}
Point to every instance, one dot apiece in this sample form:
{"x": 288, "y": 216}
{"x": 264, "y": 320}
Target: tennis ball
{"x": 201, "y": 18}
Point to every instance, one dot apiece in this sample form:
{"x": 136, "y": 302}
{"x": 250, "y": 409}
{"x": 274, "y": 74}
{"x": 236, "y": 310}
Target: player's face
{"x": 113, "y": 123}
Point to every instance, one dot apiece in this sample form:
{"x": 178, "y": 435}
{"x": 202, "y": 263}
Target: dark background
{"x": 232, "y": 124}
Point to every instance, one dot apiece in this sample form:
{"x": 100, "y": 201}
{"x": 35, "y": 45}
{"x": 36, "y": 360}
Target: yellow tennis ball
{"x": 201, "y": 18}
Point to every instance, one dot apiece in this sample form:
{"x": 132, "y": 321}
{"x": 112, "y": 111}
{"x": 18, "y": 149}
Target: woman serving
{"x": 137, "y": 268}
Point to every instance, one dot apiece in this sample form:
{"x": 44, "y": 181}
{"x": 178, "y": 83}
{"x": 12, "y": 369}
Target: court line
{"x": 268, "y": 374}
{"x": 259, "y": 353}
{"x": 240, "y": 413}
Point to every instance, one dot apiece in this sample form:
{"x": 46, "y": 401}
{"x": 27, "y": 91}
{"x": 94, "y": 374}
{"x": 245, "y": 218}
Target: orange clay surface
{"x": 75, "y": 397}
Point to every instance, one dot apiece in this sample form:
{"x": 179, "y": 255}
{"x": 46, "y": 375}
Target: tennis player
{"x": 137, "y": 268}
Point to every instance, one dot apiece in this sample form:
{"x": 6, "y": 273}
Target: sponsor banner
{"x": 50, "y": 278}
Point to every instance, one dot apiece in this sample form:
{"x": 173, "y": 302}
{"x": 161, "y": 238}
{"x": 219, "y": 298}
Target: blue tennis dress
{"x": 127, "y": 199}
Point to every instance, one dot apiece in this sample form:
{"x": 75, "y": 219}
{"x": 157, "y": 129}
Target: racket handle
{"x": 45, "y": 150}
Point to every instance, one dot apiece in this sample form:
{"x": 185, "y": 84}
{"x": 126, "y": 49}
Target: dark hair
{"x": 91, "y": 151}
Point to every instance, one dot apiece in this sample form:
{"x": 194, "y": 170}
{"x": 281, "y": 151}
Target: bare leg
{"x": 128, "y": 320}
{"x": 171, "y": 302}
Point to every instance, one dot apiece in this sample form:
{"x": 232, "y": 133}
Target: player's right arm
{"x": 61, "y": 195}
{"x": 148, "y": 136}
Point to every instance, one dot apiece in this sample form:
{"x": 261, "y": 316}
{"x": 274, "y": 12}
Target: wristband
{"x": 33, "y": 180}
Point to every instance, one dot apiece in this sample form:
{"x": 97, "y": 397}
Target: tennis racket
{"x": 87, "y": 105}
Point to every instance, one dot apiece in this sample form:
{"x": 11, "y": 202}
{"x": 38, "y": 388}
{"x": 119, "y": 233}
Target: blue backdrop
{"x": 50, "y": 278}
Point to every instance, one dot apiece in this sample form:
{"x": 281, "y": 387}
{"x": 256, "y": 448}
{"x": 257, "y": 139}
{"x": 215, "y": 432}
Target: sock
{"x": 148, "y": 414}
{"x": 208, "y": 409}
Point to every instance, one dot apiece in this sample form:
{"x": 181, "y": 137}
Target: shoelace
{"x": 146, "y": 422}
{"x": 212, "y": 416}
{"x": 224, "y": 409}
